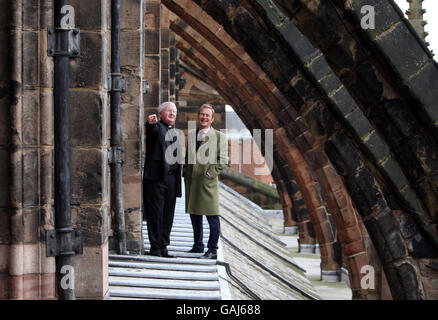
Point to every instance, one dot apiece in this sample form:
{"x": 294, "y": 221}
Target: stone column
{"x": 165, "y": 55}
{"x": 152, "y": 55}
{"x": 5, "y": 210}
{"x": 132, "y": 117}
{"x": 172, "y": 68}
{"x": 89, "y": 112}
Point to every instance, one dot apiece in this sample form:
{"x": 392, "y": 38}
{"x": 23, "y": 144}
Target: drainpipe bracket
{"x": 146, "y": 87}
{"x": 54, "y": 42}
{"x": 116, "y": 155}
{"x": 53, "y": 240}
{"x": 116, "y": 82}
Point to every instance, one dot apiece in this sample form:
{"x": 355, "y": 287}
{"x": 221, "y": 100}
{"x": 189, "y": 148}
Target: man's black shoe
{"x": 167, "y": 255}
{"x": 155, "y": 253}
{"x": 193, "y": 250}
{"x": 209, "y": 255}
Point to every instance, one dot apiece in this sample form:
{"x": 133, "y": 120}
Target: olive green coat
{"x": 202, "y": 192}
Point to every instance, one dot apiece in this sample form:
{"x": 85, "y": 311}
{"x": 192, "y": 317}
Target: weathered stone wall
{"x": 132, "y": 116}
{"x": 89, "y": 112}
{"x": 5, "y": 133}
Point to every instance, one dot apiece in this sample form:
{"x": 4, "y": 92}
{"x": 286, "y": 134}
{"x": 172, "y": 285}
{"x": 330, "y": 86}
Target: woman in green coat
{"x": 205, "y": 159}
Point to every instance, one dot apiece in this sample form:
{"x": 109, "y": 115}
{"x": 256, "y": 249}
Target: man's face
{"x": 168, "y": 115}
{"x": 205, "y": 118}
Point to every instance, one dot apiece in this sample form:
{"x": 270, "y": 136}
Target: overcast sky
{"x": 431, "y": 7}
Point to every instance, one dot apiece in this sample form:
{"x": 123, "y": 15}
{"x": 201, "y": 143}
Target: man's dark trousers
{"x": 198, "y": 233}
{"x": 159, "y": 212}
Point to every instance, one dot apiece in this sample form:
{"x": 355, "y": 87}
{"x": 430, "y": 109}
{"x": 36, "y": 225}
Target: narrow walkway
{"x": 311, "y": 262}
{"x": 183, "y": 277}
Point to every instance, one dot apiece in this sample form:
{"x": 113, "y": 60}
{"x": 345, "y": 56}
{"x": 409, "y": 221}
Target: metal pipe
{"x": 62, "y": 154}
{"x": 116, "y": 165}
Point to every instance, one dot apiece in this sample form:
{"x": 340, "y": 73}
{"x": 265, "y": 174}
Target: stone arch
{"x": 337, "y": 145}
{"x": 322, "y": 211}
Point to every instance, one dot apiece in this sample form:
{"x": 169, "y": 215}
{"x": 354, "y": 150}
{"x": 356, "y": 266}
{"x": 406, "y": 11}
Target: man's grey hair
{"x": 165, "y": 104}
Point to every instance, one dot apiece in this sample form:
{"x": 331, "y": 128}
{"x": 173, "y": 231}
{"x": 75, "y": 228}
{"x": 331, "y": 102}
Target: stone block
{"x": 4, "y": 173}
{"x": 92, "y": 15}
{"x": 30, "y": 58}
{"x": 130, "y": 122}
{"x": 393, "y": 172}
{"x": 342, "y": 153}
{"x": 130, "y": 44}
{"x": 319, "y": 68}
{"x": 375, "y": 146}
{"x": 330, "y": 83}
{"x": 87, "y": 116}
{"x": 46, "y": 120}
{"x": 4, "y": 286}
{"x": 402, "y": 49}
{"x": 343, "y": 101}
{"x": 31, "y": 258}
{"x": 428, "y": 98}
{"x": 87, "y": 183}
{"x": 31, "y": 117}
{"x": 130, "y": 14}
{"x": 385, "y": 15}
{"x": 153, "y": 10}
{"x": 31, "y": 225}
{"x": 4, "y": 55}
{"x": 30, "y": 186}
{"x": 31, "y": 14}
{"x": 152, "y": 68}
{"x": 384, "y": 233}
{"x": 132, "y": 166}
{"x": 297, "y": 41}
{"x": 408, "y": 227}
{"x": 408, "y": 273}
{"x": 92, "y": 284}
{"x": 152, "y": 99}
{"x": 321, "y": 121}
{"x": 358, "y": 123}
{"x": 89, "y": 70}
{"x": 420, "y": 247}
{"x": 365, "y": 192}
{"x": 93, "y": 221}
{"x": 152, "y": 42}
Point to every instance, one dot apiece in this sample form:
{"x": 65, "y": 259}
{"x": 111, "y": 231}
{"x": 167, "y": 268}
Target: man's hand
{"x": 152, "y": 119}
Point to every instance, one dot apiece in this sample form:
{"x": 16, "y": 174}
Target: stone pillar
{"x": 5, "y": 210}
{"x": 89, "y": 112}
{"x": 26, "y": 197}
{"x": 152, "y": 61}
{"x": 172, "y": 68}
{"x": 132, "y": 117}
{"x": 165, "y": 54}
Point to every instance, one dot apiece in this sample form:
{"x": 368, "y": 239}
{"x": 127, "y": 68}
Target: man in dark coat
{"x": 161, "y": 178}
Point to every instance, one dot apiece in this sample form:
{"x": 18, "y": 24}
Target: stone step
{"x": 183, "y": 254}
{"x": 163, "y": 266}
{"x": 146, "y": 258}
{"x": 163, "y": 274}
{"x": 164, "y": 283}
{"x": 173, "y": 294}
{"x": 185, "y": 244}
{"x": 180, "y": 234}
{"x": 188, "y": 239}
{"x": 170, "y": 248}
